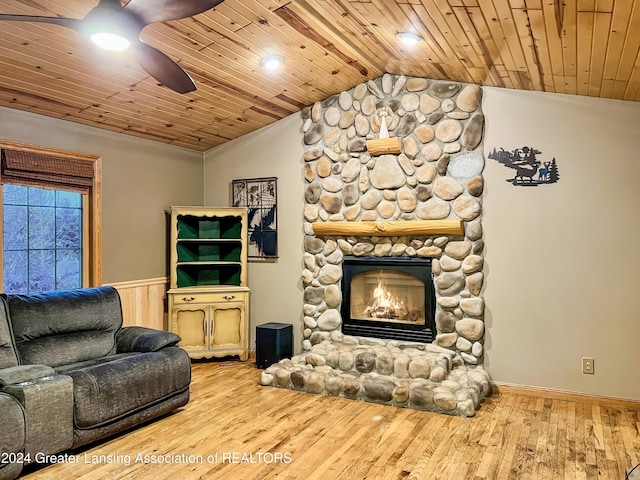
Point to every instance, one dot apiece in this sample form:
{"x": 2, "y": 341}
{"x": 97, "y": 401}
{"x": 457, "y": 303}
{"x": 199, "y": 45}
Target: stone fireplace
{"x": 373, "y": 213}
{"x": 388, "y": 297}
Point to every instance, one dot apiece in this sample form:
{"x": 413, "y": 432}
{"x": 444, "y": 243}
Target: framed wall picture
{"x": 260, "y": 197}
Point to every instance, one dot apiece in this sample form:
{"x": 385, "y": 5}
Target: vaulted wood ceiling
{"x": 583, "y": 47}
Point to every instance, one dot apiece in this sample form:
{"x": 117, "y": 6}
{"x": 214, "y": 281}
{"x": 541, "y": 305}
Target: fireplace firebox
{"x": 388, "y": 297}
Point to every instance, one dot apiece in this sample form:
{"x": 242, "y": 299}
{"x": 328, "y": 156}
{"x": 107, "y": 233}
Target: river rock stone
{"x": 473, "y": 131}
{"x": 365, "y": 362}
{"x": 458, "y": 249}
{"x": 410, "y": 102}
{"x": 444, "y": 399}
{"x": 333, "y": 296}
{"x": 415, "y": 84}
{"x": 314, "y": 134}
{"x": 315, "y": 360}
{"x": 347, "y": 119}
{"x": 378, "y": 389}
{"x": 431, "y": 152}
{"x": 312, "y": 192}
{"x": 466, "y": 165}
{"x": 314, "y": 382}
{"x": 449, "y": 264}
{"x": 421, "y": 396}
{"x": 444, "y": 89}
{"x": 419, "y": 367}
{"x": 467, "y": 208}
{"x": 448, "y": 130}
{"x": 406, "y": 125}
{"x": 407, "y": 201}
{"x": 433, "y": 210}
{"x": 362, "y": 125}
{"x": 371, "y": 199}
{"x": 469, "y": 98}
{"x": 333, "y": 385}
{"x": 386, "y": 209}
{"x": 463, "y": 344}
{"x": 474, "y": 283}
{"x": 450, "y": 283}
{"x": 475, "y": 186}
{"x": 423, "y": 193}
{"x": 361, "y": 249}
{"x": 472, "y": 306}
{"x": 472, "y": 264}
{"x": 426, "y": 173}
{"x": 329, "y": 320}
{"x": 470, "y": 328}
{"x": 351, "y": 170}
{"x": 368, "y": 106}
{"x": 447, "y": 188}
{"x": 313, "y": 244}
{"x": 331, "y": 136}
{"x": 406, "y": 165}
{"x": 387, "y": 173}
{"x": 410, "y": 147}
{"x": 384, "y": 364}
{"x": 330, "y": 274}
{"x": 428, "y": 104}
{"x": 446, "y": 340}
{"x": 331, "y": 202}
{"x": 331, "y": 184}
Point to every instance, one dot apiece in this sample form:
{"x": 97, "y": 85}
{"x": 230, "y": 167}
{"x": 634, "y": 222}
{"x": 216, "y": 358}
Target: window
{"x": 42, "y": 239}
{"x": 51, "y": 226}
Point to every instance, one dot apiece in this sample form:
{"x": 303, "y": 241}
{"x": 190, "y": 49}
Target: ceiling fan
{"x": 114, "y": 27}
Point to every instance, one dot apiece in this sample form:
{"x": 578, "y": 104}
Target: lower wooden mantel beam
{"x": 390, "y": 229}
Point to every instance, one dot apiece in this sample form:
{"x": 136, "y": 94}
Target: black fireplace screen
{"x": 388, "y": 297}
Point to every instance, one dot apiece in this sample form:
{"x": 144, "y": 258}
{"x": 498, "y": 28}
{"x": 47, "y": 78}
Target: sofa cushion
{"x": 8, "y": 357}
{"x": 13, "y": 427}
{"x": 70, "y": 326}
{"x": 107, "y": 391}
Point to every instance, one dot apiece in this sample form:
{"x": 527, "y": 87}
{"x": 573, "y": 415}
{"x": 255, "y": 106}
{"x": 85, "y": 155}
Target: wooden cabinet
{"x": 211, "y": 324}
{"x": 209, "y": 297}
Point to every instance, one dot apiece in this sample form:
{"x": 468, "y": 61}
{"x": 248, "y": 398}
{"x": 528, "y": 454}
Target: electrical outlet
{"x": 587, "y": 365}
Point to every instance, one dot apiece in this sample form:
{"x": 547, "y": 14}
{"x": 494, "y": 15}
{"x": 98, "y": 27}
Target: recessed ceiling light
{"x": 409, "y": 38}
{"x": 271, "y": 62}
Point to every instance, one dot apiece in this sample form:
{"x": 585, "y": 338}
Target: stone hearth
{"x": 436, "y": 177}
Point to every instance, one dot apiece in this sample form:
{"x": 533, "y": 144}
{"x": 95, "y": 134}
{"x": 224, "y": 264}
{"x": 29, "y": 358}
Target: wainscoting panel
{"x": 143, "y": 302}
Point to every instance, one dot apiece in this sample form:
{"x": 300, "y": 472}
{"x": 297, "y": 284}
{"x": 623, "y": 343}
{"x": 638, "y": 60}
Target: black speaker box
{"x": 274, "y": 341}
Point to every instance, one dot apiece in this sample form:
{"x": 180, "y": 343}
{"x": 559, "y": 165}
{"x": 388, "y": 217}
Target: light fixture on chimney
{"x": 271, "y": 62}
{"x": 409, "y": 39}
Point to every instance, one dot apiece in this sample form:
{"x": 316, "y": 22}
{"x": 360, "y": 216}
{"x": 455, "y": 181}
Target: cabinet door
{"x": 228, "y": 325}
{"x": 191, "y": 323}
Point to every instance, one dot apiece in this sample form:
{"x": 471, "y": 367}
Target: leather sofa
{"x": 71, "y": 374}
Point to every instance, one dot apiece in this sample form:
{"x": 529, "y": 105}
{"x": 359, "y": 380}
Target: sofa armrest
{"x": 24, "y": 373}
{"x": 143, "y": 339}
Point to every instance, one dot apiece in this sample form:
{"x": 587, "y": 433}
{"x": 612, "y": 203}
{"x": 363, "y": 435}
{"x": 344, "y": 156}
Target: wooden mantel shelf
{"x": 390, "y": 229}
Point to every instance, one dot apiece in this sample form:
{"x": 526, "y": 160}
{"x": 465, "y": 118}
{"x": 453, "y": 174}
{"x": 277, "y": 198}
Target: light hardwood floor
{"x": 235, "y": 429}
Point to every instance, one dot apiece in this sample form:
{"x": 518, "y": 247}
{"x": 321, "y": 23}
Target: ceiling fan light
{"x": 110, "y": 41}
{"x": 409, "y": 39}
{"x": 271, "y": 62}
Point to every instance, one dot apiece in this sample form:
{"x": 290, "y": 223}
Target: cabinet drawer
{"x": 187, "y": 298}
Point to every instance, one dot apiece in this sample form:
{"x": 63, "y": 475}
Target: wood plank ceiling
{"x": 583, "y": 47}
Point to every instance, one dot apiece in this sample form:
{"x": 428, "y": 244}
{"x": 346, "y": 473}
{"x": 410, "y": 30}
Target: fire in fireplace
{"x": 388, "y": 297}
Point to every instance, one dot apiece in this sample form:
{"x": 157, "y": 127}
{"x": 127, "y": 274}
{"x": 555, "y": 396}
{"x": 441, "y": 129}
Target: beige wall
{"x": 561, "y": 262}
{"x": 274, "y": 151}
{"x": 141, "y": 179}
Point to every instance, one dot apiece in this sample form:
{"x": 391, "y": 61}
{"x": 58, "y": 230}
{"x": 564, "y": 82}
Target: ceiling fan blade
{"x": 163, "y": 69}
{"x": 149, "y": 11}
{"x": 71, "y": 23}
